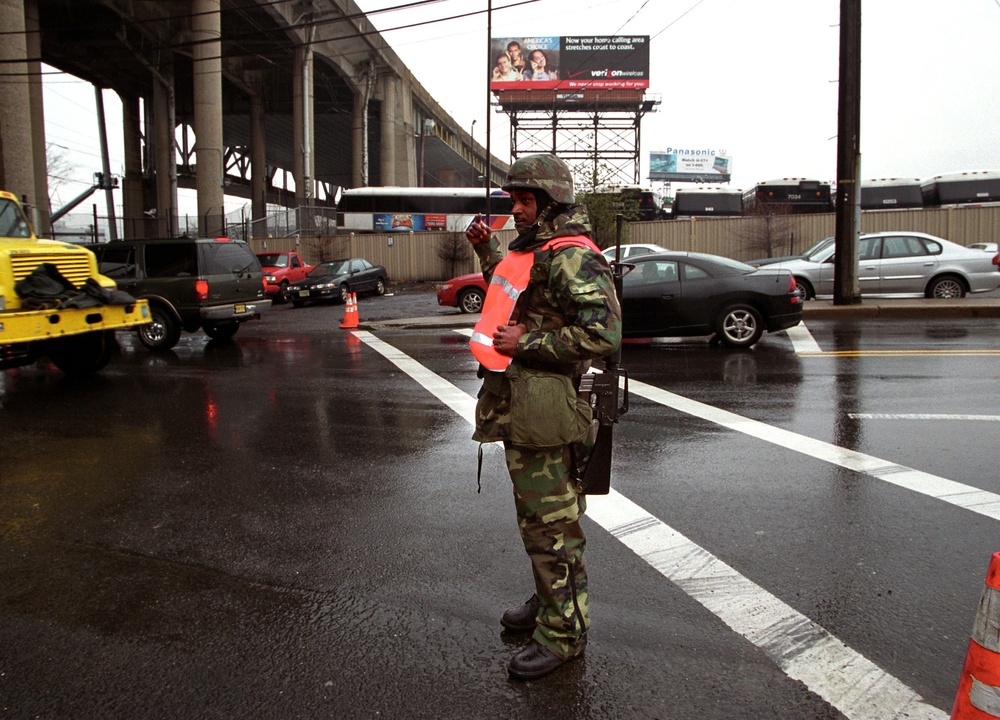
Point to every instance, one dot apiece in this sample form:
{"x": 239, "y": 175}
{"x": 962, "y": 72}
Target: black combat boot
{"x": 522, "y": 617}
{"x": 536, "y": 661}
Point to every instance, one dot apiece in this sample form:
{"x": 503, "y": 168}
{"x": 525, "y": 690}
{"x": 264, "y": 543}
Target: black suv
{"x": 189, "y": 283}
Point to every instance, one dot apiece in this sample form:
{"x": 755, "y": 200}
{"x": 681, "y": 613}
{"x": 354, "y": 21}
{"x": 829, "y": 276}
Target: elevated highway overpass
{"x": 278, "y": 102}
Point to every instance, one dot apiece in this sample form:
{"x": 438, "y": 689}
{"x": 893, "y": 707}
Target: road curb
{"x": 904, "y": 309}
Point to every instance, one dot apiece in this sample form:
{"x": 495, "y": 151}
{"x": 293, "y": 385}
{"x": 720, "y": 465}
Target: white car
{"x": 632, "y": 251}
{"x": 900, "y": 264}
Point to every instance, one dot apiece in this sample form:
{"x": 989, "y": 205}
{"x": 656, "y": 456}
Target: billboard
{"x": 690, "y": 165}
{"x": 404, "y": 222}
{"x": 569, "y": 63}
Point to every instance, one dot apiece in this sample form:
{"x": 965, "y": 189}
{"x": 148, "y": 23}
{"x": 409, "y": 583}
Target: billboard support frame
{"x": 594, "y": 136}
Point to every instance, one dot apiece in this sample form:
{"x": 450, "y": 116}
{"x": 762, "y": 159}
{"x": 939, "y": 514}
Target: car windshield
{"x": 724, "y": 262}
{"x": 334, "y": 267}
{"x": 273, "y": 260}
{"x": 818, "y": 252}
{"x": 12, "y": 222}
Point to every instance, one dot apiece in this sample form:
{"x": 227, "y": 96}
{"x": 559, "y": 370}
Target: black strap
{"x": 479, "y": 472}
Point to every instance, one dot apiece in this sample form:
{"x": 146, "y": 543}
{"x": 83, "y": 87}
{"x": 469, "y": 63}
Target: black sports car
{"x": 337, "y": 279}
{"x": 785, "y": 258}
{"x": 679, "y": 294}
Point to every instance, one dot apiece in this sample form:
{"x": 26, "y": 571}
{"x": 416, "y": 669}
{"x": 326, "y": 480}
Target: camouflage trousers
{"x": 549, "y": 508}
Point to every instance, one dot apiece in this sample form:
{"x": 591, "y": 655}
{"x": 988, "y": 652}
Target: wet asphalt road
{"x": 288, "y": 526}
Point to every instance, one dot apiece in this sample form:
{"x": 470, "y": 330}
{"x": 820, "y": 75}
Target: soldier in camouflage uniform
{"x": 566, "y": 316}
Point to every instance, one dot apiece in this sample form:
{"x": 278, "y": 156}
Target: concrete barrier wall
{"x": 415, "y": 257}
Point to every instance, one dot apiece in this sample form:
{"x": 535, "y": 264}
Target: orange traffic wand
{"x": 978, "y": 695}
{"x": 351, "y": 312}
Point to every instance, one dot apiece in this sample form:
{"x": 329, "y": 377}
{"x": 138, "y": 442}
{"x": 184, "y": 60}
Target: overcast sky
{"x": 755, "y": 79}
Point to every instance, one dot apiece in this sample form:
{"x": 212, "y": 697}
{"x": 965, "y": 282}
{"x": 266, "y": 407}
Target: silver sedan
{"x": 902, "y": 264}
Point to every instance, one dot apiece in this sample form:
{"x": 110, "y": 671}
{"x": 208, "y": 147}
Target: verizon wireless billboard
{"x": 570, "y": 63}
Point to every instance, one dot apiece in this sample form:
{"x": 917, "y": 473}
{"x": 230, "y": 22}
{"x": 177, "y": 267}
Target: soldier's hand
{"x": 478, "y": 231}
{"x": 505, "y": 338}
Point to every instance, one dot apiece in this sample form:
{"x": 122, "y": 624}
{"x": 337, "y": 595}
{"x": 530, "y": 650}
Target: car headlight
{"x": 444, "y": 286}
{"x": 270, "y": 278}
{"x": 325, "y": 286}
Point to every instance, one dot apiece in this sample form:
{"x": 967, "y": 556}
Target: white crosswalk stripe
{"x": 801, "y": 648}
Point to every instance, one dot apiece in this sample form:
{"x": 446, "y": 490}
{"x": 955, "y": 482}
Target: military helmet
{"x": 542, "y": 172}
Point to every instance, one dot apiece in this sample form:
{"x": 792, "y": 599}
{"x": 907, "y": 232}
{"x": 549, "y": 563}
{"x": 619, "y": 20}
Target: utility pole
{"x": 846, "y": 289}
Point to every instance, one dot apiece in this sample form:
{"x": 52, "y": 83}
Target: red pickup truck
{"x": 280, "y": 270}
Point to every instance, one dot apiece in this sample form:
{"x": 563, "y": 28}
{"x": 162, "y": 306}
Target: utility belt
{"x": 571, "y": 369}
{"x": 547, "y": 409}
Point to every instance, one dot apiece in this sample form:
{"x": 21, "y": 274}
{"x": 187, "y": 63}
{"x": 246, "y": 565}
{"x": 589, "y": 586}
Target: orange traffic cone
{"x": 978, "y": 695}
{"x": 351, "y": 312}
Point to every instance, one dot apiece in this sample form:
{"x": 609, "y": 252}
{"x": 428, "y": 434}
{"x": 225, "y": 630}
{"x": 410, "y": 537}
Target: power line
{"x": 681, "y": 16}
{"x": 235, "y": 9}
{"x": 314, "y": 23}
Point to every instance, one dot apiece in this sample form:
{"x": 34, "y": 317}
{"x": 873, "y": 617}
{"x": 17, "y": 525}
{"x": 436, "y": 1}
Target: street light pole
{"x": 472, "y": 149}
{"x": 488, "y": 175}
{"x": 846, "y": 290}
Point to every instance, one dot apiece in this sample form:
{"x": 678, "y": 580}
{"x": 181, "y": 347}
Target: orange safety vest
{"x": 510, "y": 278}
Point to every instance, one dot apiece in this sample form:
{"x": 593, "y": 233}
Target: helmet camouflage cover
{"x": 542, "y": 172}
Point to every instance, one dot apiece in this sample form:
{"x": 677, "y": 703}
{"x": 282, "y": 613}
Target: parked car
{"x": 822, "y": 244}
{"x": 281, "y": 269}
{"x": 466, "y": 292}
{"x": 902, "y": 263}
{"x": 337, "y": 279}
{"x": 632, "y": 250}
{"x": 684, "y": 294}
{"x": 213, "y": 284}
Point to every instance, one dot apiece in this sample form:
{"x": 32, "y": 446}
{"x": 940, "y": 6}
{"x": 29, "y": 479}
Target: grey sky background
{"x": 755, "y": 79}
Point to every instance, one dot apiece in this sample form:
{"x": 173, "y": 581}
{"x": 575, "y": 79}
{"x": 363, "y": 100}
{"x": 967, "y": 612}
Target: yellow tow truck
{"x": 78, "y": 340}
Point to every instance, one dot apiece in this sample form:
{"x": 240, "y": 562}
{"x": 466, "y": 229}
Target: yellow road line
{"x": 902, "y": 353}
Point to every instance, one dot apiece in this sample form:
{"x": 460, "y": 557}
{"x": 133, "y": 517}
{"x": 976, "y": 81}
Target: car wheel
{"x": 221, "y": 331}
{"x": 471, "y": 300}
{"x": 740, "y": 326}
{"x": 804, "y": 289}
{"x": 163, "y": 332}
{"x": 283, "y": 296}
{"x": 380, "y": 286}
{"x": 946, "y": 286}
{"x": 345, "y": 292}
{"x": 84, "y": 354}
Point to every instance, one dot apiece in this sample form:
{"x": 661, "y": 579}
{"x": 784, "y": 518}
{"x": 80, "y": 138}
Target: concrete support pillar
{"x": 387, "y": 130}
{"x": 134, "y": 223}
{"x": 207, "y": 71}
{"x": 357, "y": 142}
{"x": 362, "y": 131}
{"x": 109, "y": 195}
{"x": 302, "y": 130}
{"x": 133, "y": 219}
{"x": 407, "y": 131}
{"x": 40, "y": 196}
{"x": 258, "y": 169}
{"x": 164, "y": 153}
{"x": 17, "y": 170}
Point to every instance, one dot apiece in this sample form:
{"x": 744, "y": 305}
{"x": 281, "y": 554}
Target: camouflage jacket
{"x": 569, "y": 308}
